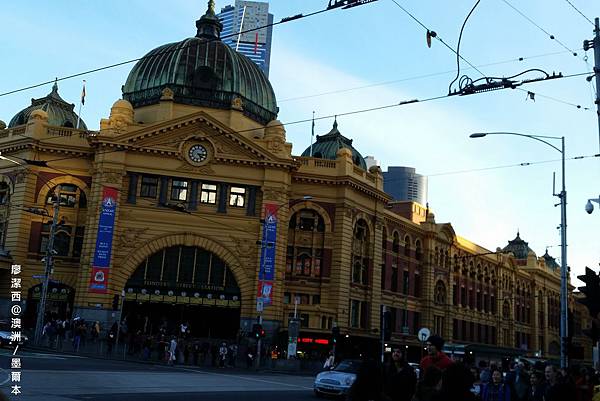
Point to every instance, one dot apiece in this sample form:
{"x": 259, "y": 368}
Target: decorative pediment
{"x": 172, "y": 137}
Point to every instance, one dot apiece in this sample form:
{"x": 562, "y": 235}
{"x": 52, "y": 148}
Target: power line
{"x": 360, "y": 111}
{"x": 438, "y": 38}
{"x": 524, "y": 164}
{"x": 171, "y": 50}
{"x": 580, "y": 13}
{"x": 416, "y": 77}
{"x": 551, "y": 36}
{"x": 458, "y": 45}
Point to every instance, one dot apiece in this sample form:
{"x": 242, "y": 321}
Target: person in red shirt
{"x": 436, "y": 357}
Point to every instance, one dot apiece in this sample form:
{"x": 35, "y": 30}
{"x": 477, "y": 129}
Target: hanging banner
{"x": 265, "y": 292}
{"x": 266, "y": 272}
{"x": 99, "y": 280}
{"x": 267, "y": 255}
{"x": 104, "y": 238}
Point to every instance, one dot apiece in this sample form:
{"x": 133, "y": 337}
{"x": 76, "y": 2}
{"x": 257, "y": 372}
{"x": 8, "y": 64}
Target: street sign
{"x": 424, "y": 334}
{"x": 260, "y": 306}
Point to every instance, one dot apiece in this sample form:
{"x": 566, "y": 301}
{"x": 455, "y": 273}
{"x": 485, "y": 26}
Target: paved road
{"x": 58, "y": 377}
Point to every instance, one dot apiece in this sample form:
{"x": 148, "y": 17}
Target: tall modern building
{"x": 241, "y": 17}
{"x": 404, "y": 184}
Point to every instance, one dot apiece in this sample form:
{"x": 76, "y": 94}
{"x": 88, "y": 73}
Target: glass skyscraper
{"x": 242, "y": 16}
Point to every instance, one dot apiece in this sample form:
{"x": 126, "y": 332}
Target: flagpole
{"x": 81, "y": 102}
{"x": 312, "y": 135}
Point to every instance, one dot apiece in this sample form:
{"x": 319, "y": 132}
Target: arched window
{"x": 70, "y": 196}
{"x": 396, "y": 243}
{"x": 4, "y": 193}
{"x": 418, "y": 250}
{"x": 305, "y": 244}
{"x": 506, "y": 310}
{"x": 407, "y": 246}
{"x": 440, "y": 293}
{"x": 307, "y": 220}
{"x": 360, "y": 253}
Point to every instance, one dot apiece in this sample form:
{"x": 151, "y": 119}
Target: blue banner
{"x": 106, "y": 225}
{"x": 267, "y": 256}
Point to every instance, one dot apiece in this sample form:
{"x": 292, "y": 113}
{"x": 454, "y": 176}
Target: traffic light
{"x": 115, "y": 302}
{"x": 591, "y": 292}
{"x": 258, "y": 331}
{"x": 335, "y": 334}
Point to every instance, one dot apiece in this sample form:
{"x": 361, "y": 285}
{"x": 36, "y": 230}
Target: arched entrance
{"x": 180, "y": 284}
{"x": 59, "y": 303}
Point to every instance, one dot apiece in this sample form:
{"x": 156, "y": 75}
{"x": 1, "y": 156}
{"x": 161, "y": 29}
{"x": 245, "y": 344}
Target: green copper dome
{"x": 328, "y": 145}
{"x": 203, "y": 71}
{"x": 518, "y": 247}
{"x": 60, "y": 113}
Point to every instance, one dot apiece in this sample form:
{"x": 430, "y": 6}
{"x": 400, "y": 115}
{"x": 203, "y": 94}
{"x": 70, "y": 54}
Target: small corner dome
{"x": 2, "y": 124}
{"x": 275, "y": 128}
{"x": 203, "y": 71}
{"x": 328, "y": 145}
{"x": 59, "y": 113}
{"x": 122, "y": 104}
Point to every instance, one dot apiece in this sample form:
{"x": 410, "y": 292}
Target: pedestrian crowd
{"x": 442, "y": 379}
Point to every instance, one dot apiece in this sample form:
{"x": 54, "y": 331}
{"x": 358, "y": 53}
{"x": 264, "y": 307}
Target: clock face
{"x": 197, "y": 153}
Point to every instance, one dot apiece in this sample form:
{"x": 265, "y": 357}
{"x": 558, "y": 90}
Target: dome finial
{"x": 209, "y": 27}
{"x": 335, "y": 125}
{"x": 55, "y": 86}
{"x": 211, "y": 7}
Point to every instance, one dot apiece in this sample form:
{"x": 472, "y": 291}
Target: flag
{"x": 83, "y": 93}
{"x": 256, "y": 43}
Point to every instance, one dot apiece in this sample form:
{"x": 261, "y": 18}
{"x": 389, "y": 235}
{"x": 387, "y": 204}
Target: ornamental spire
{"x": 209, "y": 26}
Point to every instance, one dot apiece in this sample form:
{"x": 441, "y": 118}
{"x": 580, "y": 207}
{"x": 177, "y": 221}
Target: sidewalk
{"x": 119, "y": 353}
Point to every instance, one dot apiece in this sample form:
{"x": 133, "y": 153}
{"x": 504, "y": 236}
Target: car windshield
{"x": 347, "y": 366}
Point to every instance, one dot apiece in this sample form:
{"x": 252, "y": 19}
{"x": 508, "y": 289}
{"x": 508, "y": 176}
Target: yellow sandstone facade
{"x": 193, "y": 181}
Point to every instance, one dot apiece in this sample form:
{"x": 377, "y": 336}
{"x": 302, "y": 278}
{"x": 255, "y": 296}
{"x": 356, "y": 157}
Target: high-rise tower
{"x": 404, "y": 184}
{"x": 243, "y": 16}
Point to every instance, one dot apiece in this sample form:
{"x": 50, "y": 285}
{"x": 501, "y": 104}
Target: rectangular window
{"x": 316, "y": 299}
{"x": 463, "y": 296}
{"x": 454, "y": 295}
{"x": 304, "y": 320}
{"x": 179, "y": 190}
{"x": 286, "y": 297}
{"x": 439, "y": 325}
{"x": 394, "y": 279}
{"x": 149, "y": 187}
{"x": 237, "y": 197}
{"x": 405, "y": 282}
{"x": 417, "y": 285}
{"x": 3, "y": 193}
{"x": 416, "y": 322}
{"x": 354, "y": 313}
{"x": 208, "y": 194}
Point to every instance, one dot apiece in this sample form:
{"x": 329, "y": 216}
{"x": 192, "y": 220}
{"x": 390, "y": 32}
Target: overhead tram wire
{"x": 551, "y": 36}
{"x": 417, "y": 77}
{"x": 282, "y": 21}
{"x": 524, "y": 164}
{"x": 437, "y": 36}
{"x": 580, "y": 13}
{"x": 389, "y": 106}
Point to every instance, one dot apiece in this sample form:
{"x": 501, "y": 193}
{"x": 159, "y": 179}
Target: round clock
{"x": 197, "y": 153}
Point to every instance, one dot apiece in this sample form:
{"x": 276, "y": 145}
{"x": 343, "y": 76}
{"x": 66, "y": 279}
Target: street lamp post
{"x": 563, "y": 237}
{"x": 47, "y": 269}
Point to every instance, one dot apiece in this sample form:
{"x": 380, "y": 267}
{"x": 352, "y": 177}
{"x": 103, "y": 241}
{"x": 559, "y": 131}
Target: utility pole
{"x": 47, "y": 269}
{"x": 595, "y": 44}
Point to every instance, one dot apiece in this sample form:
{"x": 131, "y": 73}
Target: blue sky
{"x": 365, "y": 46}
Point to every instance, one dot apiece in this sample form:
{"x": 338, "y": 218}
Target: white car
{"x": 338, "y": 380}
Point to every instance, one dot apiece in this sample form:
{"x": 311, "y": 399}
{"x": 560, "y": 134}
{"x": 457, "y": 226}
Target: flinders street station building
{"x": 189, "y": 201}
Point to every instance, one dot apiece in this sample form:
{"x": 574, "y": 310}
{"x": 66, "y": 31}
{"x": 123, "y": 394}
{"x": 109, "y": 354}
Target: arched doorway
{"x": 59, "y": 303}
{"x": 183, "y": 284}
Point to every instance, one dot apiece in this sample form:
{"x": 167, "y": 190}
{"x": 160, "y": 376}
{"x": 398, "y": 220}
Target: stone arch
{"x": 133, "y": 260}
{"x": 65, "y": 179}
{"x": 313, "y": 206}
{"x": 6, "y": 180}
{"x": 367, "y": 220}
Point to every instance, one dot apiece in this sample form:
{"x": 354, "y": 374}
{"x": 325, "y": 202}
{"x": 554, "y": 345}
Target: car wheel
{"x": 318, "y": 394}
